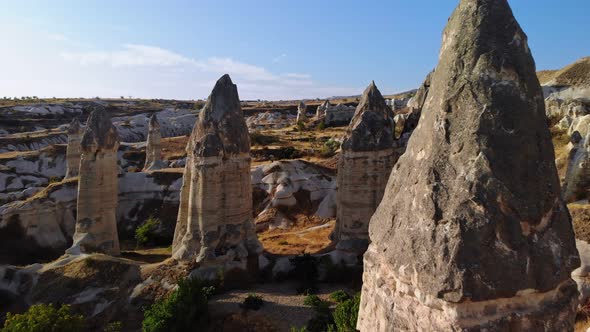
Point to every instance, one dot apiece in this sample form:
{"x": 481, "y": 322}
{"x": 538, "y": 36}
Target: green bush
{"x": 300, "y": 126}
{"x": 346, "y": 314}
{"x": 329, "y": 148}
{"x": 321, "y": 126}
{"x": 252, "y": 302}
{"x": 339, "y": 296}
{"x": 301, "y": 329}
{"x": 306, "y": 272}
{"x": 181, "y": 311}
{"x": 147, "y": 233}
{"x": 44, "y": 318}
{"x": 114, "y": 327}
{"x": 312, "y": 300}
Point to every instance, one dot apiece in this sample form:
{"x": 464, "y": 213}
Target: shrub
{"x": 306, "y": 272}
{"x": 346, "y": 314}
{"x": 114, "y": 327}
{"x": 252, "y": 302}
{"x": 256, "y": 138}
{"x": 312, "y": 300}
{"x": 339, "y": 296}
{"x": 42, "y": 318}
{"x": 301, "y": 329}
{"x": 321, "y": 126}
{"x": 300, "y": 126}
{"x": 148, "y": 233}
{"x": 329, "y": 148}
{"x": 184, "y": 308}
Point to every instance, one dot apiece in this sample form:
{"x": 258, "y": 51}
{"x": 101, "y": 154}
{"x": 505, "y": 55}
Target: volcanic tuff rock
{"x": 73, "y": 150}
{"x": 472, "y": 224}
{"x": 364, "y": 166}
{"x": 301, "y": 112}
{"x": 96, "y": 224}
{"x": 215, "y": 224}
{"x": 321, "y": 110}
{"x": 153, "y": 149}
{"x": 577, "y": 177}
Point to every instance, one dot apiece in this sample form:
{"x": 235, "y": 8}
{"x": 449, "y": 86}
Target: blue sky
{"x": 273, "y": 49}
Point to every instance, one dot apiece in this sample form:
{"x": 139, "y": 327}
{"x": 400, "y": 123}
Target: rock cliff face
{"x": 73, "y": 150}
{"x": 365, "y": 164}
{"x": 472, "y": 233}
{"x": 301, "y": 112}
{"x": 96, "y": 224}
{"x": 153, "y": 149}
{"x": 215, "y": 225}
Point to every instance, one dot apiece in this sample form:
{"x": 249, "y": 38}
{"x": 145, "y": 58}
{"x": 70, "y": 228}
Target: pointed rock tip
{"x": 154, "y": 120}
{"x": 225, "y": 79}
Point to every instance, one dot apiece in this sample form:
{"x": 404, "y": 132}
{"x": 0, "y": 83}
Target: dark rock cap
{"x": 74, "y": 127}
{"x": 221, "y": 128}
{"x": 372, "y": 127}
{"x": 154, "y": 122}
{"x": 100, "y": 132}
{"x": 473, "y": 208}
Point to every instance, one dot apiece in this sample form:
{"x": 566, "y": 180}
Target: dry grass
{"x": 581, "y": 220}
{"x": 306, "y": 236}
{"x": 560, "y": 143}
{"x": 174, "y": 147}
{"x": 578, "y": 73}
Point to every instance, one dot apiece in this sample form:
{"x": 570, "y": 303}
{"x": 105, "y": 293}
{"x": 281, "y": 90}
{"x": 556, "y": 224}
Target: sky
{"x": 272, "y": 49}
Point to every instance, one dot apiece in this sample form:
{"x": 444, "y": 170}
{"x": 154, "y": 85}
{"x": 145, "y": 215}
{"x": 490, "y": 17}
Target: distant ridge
{"x": 577, "y": 73}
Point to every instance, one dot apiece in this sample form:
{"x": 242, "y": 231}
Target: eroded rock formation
{"x": 301, "y": 112}
{"x": 96, "y": 224}
{"x": 215, "y": 225}
{"x": 472, "y": 233}
{"x": 73, "y": 150}
{"x": 153, "y": 149}
{"x": 364, "y": 167}
{"x": 321, "y": 110}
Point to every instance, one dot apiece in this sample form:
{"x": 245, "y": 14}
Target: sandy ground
{"x": 283, "y": 307}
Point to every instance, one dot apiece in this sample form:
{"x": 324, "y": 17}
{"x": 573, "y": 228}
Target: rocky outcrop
{"x": 73, "y": 149}
{"x": 339, "y": 115}
{"x": 292, "y": 187}
{"x": 577, "y": 178}
{"x": 367, "y": 157}
{"x": 215, "y": 225}
{"x": 42, "y": 226}
{"x": 301, "y": 112}
{"x": 153, "y": 149}
{"x": 321, "y": 110}
{"x": 473, "y": 233}
{"x": 96, "y": 224}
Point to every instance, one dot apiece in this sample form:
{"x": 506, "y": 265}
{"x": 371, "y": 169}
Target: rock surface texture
{"x": 96, "y": 224}
{"x": 321, "y": 110}
{"x": 301, "y": 112}
{"x": 215, "y": 225}
{"x": 73, "y": 150}
{"x": 365, "y": 164}
{"x": 153, "y": 149}
{"x": 472, "y": 233}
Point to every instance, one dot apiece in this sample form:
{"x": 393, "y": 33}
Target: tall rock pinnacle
{"x": 363, "y": 169}
{"x": 96, "y": 224}
{"x": 215, "y": 225}
{"x": 472, "y": 233}
{"x": 153, "y": 149}
{"x": 301, "y": 112}
{"x": 73, "y": 149}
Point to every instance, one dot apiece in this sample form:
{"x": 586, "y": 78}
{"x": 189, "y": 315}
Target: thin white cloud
{"x": 228, "y": 65}
{"x": 279, "y": 58}
{"x": 132, "y": 55}
{"x": 297, "y": 76}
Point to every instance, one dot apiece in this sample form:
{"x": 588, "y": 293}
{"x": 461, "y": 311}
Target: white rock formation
{"x": 73, "y": 149}
{"x": 96, "y": 224}
{"x": 321, "y": 110}
{"x": 301, "y": 112}
{"x": 215, "y": 225}
{"x": 153, "y": 149}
